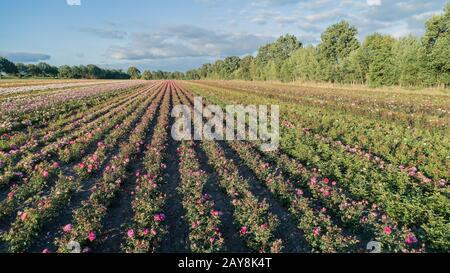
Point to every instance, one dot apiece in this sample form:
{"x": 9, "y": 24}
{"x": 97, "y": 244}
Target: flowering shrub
{"x": 148, "y": 221}
{"x": 87, "y": 219}
{"x": 317, "y": 226}
{"x": 205, "y": 235}
{"x": 30, "y": 221}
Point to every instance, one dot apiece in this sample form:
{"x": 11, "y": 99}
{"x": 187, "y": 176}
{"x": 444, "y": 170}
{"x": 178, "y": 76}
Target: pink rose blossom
{"x": 387, "y": 230}
{"x": 68, "y": 228}
{"x": 159, "y": 217}
{"x": 244, "y": 230}
{"x": 411, "y": 239}
{"x": 316, "y": 231}
{"x": 92, "y": 236}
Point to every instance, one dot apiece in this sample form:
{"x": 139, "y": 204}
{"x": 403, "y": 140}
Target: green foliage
{"x": 7, "y": 67}
{"x": 380, "y": 61}
{"x": 378, "y": 54}
{"x": 134, "y": 73}
{"x": 338, "y": 41}
{"x": 436, "y": 42}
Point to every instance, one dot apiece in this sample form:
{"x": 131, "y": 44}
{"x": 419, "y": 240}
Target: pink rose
{"x": 68, "y": 228}
{"x": 244, "y": 230}
{"x": 387, "y": 230}
{"x": 92, "y": 236}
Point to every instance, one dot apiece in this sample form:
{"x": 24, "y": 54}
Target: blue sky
{"x": 183, "y": 34}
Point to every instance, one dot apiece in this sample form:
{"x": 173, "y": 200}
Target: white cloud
{"x": 25, "y": 57}
{"x": 374, "y": 2}
{"x": 74, "y": 2}
{"x": 186, "y": 41}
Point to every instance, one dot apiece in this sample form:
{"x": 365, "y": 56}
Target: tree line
{"x": 44, "y": 70}
{"x": 380, "y": 60}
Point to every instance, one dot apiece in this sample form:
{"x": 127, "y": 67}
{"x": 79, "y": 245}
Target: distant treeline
{"x": 380, "y": 60}
{"x": 65, "y": 71}
{"x": 44, "y": 70}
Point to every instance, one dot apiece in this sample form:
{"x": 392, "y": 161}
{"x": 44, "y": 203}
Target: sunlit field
{"x": 93, "y": 162}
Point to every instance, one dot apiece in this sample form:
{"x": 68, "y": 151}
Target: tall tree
{"x": 338, "y": 41}
{"x": 134, "y": 72}
{"x": 147, "y": 75}
{"x": 65, "y": 71}
{"x": 245, "y": 68}
{"x": 378, "y": 55}
{"x": 410, "y": 60}
{"x": 230, "y": 65}
{"x": 22, "y": 69}
{"x": 7, "y": 67}
{"x": 437, "y": 45}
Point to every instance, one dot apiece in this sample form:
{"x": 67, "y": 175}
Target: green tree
{"x": 33, "y": 70}
{"x": 352, "y": 70}
{"x": 230, "y": 65}
{"x": 410, "y": 59}
{"x": 47, "y": 70}
{"x": 94, "y": 72}
{"x": 22, "y": 69}
{"x": 245, "y": 69}
{"x": 65, "y": 71}
{"x": 147, "y": 75}
{"x": 378, "y": 55}
{"x": 437, "y": 48}
{"x": 205, "y": 71}
{"x": 271, "y": 57}
{"x": 7, "y": 67}
{"x": 134, "y": 73}
{"x": 306, "y": 64}
{"x": 337, "y": 42}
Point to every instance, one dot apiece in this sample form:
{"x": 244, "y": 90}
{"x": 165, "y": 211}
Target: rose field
{"x": 94, "y": 163}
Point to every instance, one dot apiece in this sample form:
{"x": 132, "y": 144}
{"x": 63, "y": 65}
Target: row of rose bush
{"x": 418, "y": 109}
{"x": 23, "y": 112}
{"x": 404, "y": 202}
{"x": 148, "y": 226}
{"x": 93, "y": 107}
{"x": 400, "y": 195}
{"x": 423, "y": 148}
{"x": 18, "y": 162}
{"x": 45, "y": 208}
{"x": 320, "y": 232}
{"x": 252, "y": 215}
{"x": 257, "y": 223}
{"x": 87, "y": 220}
{"x": 204, "y": 219}
{"x": 360, "y": 207}
{"x": 20, "y": 193}
{"x": 15, "y": 146}
{"x": 366, "y": 222}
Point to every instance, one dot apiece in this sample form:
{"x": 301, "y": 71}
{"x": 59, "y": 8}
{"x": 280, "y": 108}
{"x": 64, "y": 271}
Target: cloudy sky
{"x": 183, "y": 34}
